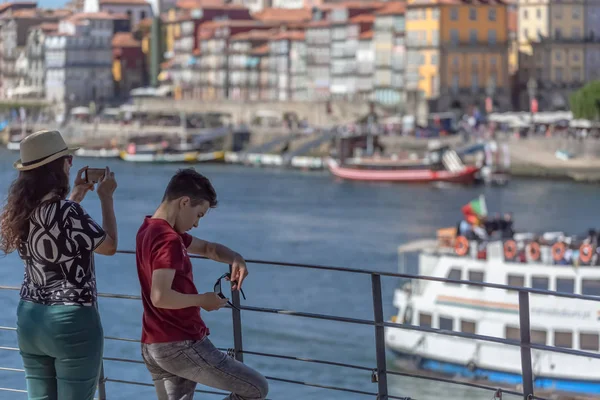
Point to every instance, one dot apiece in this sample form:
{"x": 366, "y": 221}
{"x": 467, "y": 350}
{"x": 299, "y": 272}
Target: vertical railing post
{"x": 379, "y": 338}
{"x": 101, "y": 384}
{"x": 524, "y": 327}
{"x": 237, "y": 325}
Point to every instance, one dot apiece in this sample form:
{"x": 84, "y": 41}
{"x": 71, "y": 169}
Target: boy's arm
{"x": 163, "y": 296}
{"x": 220, "y": 253}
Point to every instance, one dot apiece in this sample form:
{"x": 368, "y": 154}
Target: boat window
{"x": 425, "y": 320}
{"x": 512, "y": 333}
{"x": 476, "y": 276}
{"x": 467, "y": 326}
{"x": 563, "y": 339}
{"x": 516, "y": 280}
{"x": 446, "y": 323}
{"x": 565, "y": 285}
{"x": 540, "y": 282}
{"x": 590, "y": 287}
{"x": 538, "y": 336}
{"x": 588, "y": 341}
{"x": 454, "y": 273}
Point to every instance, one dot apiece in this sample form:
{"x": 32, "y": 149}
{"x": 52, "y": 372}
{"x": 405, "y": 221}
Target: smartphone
{"x": 93, "y": 175}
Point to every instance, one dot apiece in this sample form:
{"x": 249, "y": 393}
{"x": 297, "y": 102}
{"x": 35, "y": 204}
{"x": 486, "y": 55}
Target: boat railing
{"x": 375, "y": 375}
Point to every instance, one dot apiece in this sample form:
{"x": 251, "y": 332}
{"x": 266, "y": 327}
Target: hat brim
{"x": 69, "y": 151}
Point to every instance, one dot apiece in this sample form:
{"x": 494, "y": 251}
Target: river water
{"x": 292, "y": 216}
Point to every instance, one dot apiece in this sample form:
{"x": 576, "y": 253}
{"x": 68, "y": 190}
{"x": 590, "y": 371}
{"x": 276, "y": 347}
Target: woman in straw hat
{"x": 58, "y": 326}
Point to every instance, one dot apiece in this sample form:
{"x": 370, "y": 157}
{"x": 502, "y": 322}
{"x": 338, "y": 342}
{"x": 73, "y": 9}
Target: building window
{"x": 516, "y": 280}
{"x": 476, "y": 276}
{"x": 492, "y": 14}
{"x": 142, "y": 15}
{"x": 540, "y": 282}
{"x": 473, "y": 14}
{"x": 576, "y": 75}
{"x": 559, "y": 74}
{"x": 565, "y": 285}
{"x": 538, "y": 336}
{"x": 474, "y": 82}
{"x": 563, "y": 339}
{"x": 512, "y": 333}
{"x": 576, "y": 57}
{"x": 473, "y": 36}
{"x": 425, "y": 320}
{"x": 492, "y": 37}
{"x": 446, "y": 323}
{"x": 454, "y": 36}
{"x": 576, "y": 33}
{"x": 454, "y": 14}
{"x": 557, "y": 34}
{"x": 538, "y": 13}
{"x": 558, "y": 56}
{"x": 525, "y": 13}
{"x": 590, "y": 287}
{"x": 588, "y": 341}
{"x": 576, "y": 12}
{"x": 455, "y": 83}
{"x": 467, "y": 326}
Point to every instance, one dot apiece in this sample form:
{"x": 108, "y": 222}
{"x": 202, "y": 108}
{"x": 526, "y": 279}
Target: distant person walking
{"x": 175, "y": 344}
{"x": 58, "y": 327}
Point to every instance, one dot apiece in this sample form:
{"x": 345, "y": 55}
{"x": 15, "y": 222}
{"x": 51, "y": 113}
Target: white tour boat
{"x": 552, "y": 261}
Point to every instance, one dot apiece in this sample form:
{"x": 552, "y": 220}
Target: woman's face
{"x": 68, "y": 164}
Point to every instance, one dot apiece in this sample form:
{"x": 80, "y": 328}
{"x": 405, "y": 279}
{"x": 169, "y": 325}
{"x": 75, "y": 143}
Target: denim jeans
{"x": 61, "y": 347}
{"x": 176, "y": 368}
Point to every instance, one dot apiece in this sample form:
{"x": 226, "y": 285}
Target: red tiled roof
{"x": 289, "y": 35}
{"x": 125, "y": 39}
{"x": 356, "y": 4}
{"x": 318, "y": 24}
{"x": 39, "y": 13}
{"x": 236, "y": 23}
{"x": 6, "y": 6}
{"x": 126, "y": 2}
{"x": 96, "y": 15}
{"x": 46, "y": 27}
{"x": 284, "y": 15}
{"x": 254, "y": 35}
{"x": 366, "y": 35}
{"x": 212, "y": 4}
{"x": 393, "y": 8}
{"x": 363, "y": 18}
{"x": 261, "y": 50}
{"x": 459, "y": 2}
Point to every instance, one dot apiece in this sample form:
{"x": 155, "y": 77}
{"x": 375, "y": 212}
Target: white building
{"x": 79, "y": 59}
{"x": 136, "y": 10}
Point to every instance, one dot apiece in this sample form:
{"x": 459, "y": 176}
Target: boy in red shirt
{"x": 175, "y": 344}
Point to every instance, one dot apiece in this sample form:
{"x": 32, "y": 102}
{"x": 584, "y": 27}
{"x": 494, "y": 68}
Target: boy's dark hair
{"x": 188, "y": 182}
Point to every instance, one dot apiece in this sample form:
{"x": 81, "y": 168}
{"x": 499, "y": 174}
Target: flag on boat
{"x": 475, "y": 210}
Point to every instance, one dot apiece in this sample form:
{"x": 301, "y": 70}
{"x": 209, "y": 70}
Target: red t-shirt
{"x": 158, "y": 246}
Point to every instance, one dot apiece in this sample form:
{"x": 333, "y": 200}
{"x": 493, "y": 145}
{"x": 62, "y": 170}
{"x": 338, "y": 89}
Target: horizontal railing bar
{"x": 410, "y": 276}
{"x": 463, "y": 335}
{"x": 129, "y": 360}
{"x": 122, "y": 339}
{"x": 7, "y": 328}
{"x": 311, "y": 360}
{"x": 12, "y": 390}
{"x": 11, "y": 369}
{"x": 317, "y": 385}
{"x": 152, "y": 385}
{"x": 9, "y": 348}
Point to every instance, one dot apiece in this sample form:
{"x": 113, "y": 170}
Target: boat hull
{"x": 98, "y": 153}
{"x": 441, "y": 367}
{"x": 465, "y": 176}
{"x": 13, "y": 146}
{"x": 160, "y": 157}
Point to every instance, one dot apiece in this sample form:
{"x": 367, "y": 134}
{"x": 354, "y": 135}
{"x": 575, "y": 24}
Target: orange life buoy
{"x": 533, "y": 251}
{"x": 558, "y": 251}
{"x": 510, "y": 249}
{"x": 586, "y": 252}
{"x": 461, "y": 246}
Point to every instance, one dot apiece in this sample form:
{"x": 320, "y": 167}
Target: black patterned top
{"x": 59, "y": 255}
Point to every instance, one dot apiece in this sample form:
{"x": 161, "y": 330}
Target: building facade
{"x": 79, "y": 59}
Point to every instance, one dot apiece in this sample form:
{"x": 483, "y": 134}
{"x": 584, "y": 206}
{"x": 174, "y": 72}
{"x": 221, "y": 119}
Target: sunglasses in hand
{"x": 218, "y": 290}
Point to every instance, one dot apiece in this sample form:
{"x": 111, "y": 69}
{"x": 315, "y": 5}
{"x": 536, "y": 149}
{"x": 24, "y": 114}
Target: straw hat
{"x": 41, "y": 148}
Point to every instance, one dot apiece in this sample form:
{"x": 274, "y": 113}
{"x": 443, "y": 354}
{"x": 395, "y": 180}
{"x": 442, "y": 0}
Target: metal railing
{"x": 379, "y": 373}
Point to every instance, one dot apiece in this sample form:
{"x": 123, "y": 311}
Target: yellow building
{"x": 457, "y": 52}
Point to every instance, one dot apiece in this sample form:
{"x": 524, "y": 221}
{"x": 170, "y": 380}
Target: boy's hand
{"x": 239, "y": 272}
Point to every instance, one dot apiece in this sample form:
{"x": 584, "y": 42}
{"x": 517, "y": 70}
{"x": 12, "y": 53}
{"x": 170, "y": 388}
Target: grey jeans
{"x": 176, "y": 368}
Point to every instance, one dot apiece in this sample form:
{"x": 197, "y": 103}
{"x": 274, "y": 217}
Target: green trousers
{"x": 61, "y": 347}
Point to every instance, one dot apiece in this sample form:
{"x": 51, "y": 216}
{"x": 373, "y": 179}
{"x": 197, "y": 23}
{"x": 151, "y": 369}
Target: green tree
{"x": 585, "y": 103}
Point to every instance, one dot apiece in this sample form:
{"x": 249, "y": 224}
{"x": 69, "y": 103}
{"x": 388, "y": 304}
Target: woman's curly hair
{"x": 25, "y": 195}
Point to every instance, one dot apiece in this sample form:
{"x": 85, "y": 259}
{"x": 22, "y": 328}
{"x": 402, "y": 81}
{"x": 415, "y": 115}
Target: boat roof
{"x": 418, "y": 245}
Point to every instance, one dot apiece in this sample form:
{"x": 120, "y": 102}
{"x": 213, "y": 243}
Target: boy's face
{"x": 189, "y": 215}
